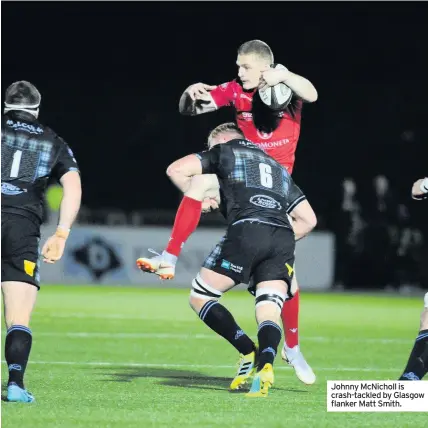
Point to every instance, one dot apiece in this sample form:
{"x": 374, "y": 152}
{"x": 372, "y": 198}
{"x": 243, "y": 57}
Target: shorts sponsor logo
{"x": 265, "y": 201}
{"x": 225, "y": 264}
{"x": 230, "y": 266}
{"x": 11, "y": 190}
{"x": 29, "y": 267}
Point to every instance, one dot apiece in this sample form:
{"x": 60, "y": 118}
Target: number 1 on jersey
{"x": 16, "y": 163}
{"x": 266, "y": 175}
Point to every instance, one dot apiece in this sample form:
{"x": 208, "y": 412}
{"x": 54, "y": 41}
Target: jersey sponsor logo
{"x": 247, "y": 115}
{"x": 11, "y": 190}
{"x": 264, "y": 135}
{"x": 273, "y": 144}
{"x": 22, "y": 126}
{"x": 265, "y": 201}
{"x": 248, "y": 144}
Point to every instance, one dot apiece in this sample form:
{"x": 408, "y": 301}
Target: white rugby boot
{"x": 162, "y": 265}
{"x": 295, "y": 358}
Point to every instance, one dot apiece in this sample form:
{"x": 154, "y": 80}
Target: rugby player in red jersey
{"x": 278, "y": 139}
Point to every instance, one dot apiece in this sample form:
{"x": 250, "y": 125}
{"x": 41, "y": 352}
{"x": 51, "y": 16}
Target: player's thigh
{"x": 208, "y": 285}
{"x": 19, "y": 299}
{"x": 20, "y": 251}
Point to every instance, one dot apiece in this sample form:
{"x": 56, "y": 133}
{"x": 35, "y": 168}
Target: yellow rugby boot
{"x": 262, "y": 381}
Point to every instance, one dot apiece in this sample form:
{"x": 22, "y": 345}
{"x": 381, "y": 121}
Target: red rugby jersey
{"x": 281, "y": 143}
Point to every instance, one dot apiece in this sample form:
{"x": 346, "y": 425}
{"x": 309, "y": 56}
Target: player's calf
{"x": 270, "y": 296}
{"x": 204, "y": 301}
{"x": 19, "y": 299}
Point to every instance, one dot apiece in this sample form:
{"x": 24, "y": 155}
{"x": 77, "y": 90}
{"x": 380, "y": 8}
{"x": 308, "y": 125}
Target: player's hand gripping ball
{"x": 273, "y": 92}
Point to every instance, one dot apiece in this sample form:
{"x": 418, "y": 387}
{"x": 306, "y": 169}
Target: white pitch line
{"x": 183, "y": 336}
{"x": 201, "y": 366}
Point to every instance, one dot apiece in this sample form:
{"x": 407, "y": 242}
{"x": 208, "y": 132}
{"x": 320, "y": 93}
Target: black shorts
{"x": 20, "y": 238}
{"x": 254, "y": 252}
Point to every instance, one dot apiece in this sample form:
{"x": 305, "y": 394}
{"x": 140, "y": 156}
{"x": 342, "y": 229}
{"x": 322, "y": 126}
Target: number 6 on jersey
{"x": 266, "y": 175}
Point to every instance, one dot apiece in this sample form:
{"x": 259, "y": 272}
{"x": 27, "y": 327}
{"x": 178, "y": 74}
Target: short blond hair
{"x": 256, "y": 47}
{"x": 229, "y": 127}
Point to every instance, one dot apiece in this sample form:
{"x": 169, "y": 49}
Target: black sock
{"x": 17, "y": 351}
{"x": 219, "y": 319}
{"x": 417, "y": 366}
{"x": 269, "y": 336}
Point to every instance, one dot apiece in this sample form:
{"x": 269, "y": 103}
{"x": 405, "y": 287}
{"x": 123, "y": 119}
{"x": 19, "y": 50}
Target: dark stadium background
{"x": 111, "y": 75}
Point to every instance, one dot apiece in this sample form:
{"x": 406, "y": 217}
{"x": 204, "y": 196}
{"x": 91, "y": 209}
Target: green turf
{"x": 182, "y": 370}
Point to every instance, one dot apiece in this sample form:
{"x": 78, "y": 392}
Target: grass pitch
{"x": 127, "y": 357}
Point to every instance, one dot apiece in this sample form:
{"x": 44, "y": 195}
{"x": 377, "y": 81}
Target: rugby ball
{"x": 276, "y": 97}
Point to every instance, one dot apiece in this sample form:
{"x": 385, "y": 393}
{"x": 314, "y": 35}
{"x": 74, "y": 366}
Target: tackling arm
{"x": 186, "y": 174}
{"x": 182, "y": 170}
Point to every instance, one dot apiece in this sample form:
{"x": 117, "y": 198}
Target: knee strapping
{"x": 266, "y": 296}
{"x": 201, "y": 290}
{"x": 426, "y": 300}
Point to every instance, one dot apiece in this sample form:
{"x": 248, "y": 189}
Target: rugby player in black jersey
{"x": 417, "y": 365}
{"x": 258, "y": 196}
{"x": 31, "y": 153}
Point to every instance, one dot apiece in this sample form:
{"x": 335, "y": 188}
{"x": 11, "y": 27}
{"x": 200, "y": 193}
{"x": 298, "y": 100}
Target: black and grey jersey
{"x": 31, "y": 153}
{"x": 252, "y": 184}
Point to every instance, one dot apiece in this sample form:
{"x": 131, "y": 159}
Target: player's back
{"x": 253, "y": 186}
{"x": 31, "y": 153}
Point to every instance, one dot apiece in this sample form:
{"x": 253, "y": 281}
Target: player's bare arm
{"x": 420, "y": 189}
{"x": 182, "y": 170}
{"x": 70, "y": 204}
{"x": 186, "y": 172}
{"x": 301, "y": 86}
{"x": 304, "y": 219}
{"x": 196, "y": 99}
